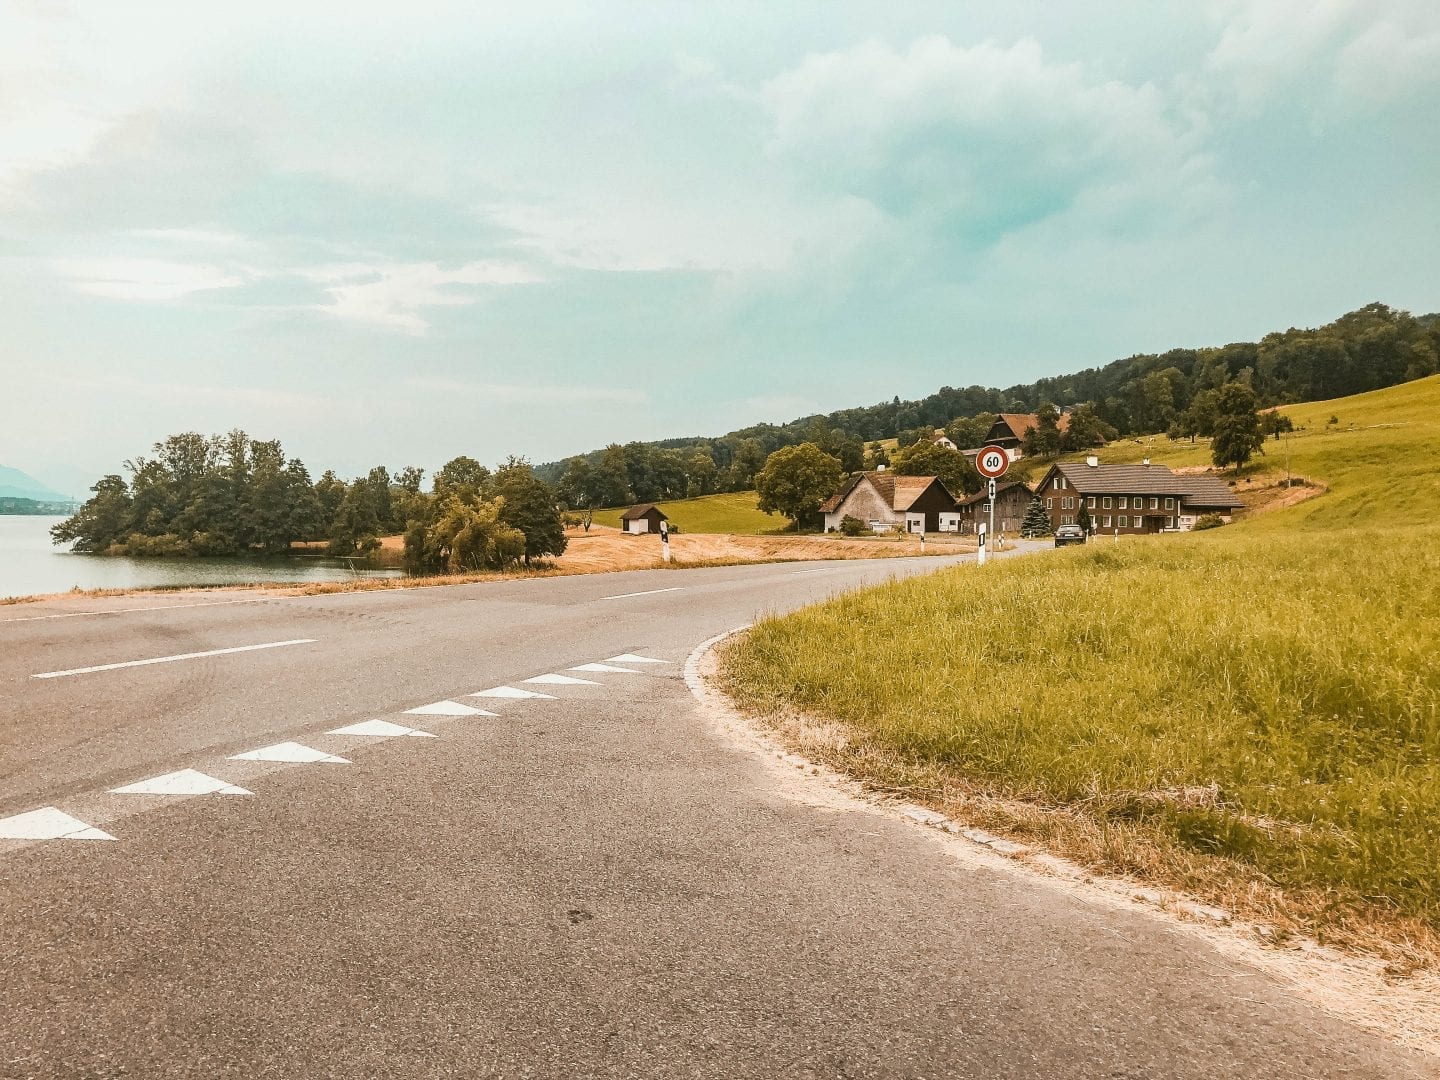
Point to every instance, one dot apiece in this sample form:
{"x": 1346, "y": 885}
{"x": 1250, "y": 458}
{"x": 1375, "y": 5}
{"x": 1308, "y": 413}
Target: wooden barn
{"x": 885, "y": 501}
{"x": 642, "y": 518}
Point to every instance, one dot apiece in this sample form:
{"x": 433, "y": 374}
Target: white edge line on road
{"x": 817, "y": 570}
{"x": 132, "y": 610}
{"x": 647, "y": 592}
{"x": 170, "y": 659}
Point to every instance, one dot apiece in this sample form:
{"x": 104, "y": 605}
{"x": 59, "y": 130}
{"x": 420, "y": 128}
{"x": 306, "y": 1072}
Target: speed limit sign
{"x": 992, "y": 462}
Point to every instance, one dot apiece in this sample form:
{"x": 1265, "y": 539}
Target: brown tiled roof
{"x": 640, "y": 510}
{"x": 1020, "y": 423}
{"x": 899, "y": 492}
{"x": 1000, "y": 489}
{"x": 1148, "y": 480}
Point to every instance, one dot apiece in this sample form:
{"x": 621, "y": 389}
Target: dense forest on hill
{"x": 1373, "y": 347}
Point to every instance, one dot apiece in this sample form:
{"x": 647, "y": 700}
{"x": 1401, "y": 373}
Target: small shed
{"x": 642, "y": 518}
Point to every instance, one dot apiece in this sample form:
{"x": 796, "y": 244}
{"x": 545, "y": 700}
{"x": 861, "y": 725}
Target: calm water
{"x": 30, "y": 564}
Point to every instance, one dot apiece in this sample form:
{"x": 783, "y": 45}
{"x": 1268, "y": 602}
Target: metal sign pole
{"x": 991, "y": 493}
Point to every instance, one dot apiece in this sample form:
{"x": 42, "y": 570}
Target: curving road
{"x": 592, "y": 882}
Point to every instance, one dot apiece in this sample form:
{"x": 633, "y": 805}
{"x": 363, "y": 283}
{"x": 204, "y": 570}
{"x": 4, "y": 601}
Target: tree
{"x": 531, "y": 506}
{"x": 931, "y": 459}
{"x": 968, "y": 434}
{"x": 1274, "y": 422}
{"x": 1044, "y": 439}
{"x": 701, "y": 474}
{"x": 796, "y": 480}
{"x": 460, "y": 475}
{"x": 1037, "y": 522}
{"x": 1086, "y": 429}
{"x": 612, "y": 478}
{"x": 1237, "y": 426}
{"x": 103, "y": 521}
{"x": 463, "y": 534}
{"x": 575, "y": 482}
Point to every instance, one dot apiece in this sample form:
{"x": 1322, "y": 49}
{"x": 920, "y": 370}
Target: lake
{"x": 30, "y": 564}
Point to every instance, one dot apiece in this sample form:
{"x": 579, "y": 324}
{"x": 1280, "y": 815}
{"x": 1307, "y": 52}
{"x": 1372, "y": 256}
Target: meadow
{"x": 1249, "y": 714}
{"x": 733, "y": 513}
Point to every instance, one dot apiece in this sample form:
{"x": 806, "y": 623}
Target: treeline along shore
{"x": 234, "y": 495}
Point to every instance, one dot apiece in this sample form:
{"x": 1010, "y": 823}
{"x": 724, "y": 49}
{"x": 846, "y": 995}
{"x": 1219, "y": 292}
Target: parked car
{"x": 1069, "y": 534}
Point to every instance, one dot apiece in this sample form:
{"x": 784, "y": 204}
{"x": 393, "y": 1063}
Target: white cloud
{"x": 987, "y": 137}
{"x": 394, "y": 295}
{"x": 120, "y": 278}
{"x": 1362, "y": 51}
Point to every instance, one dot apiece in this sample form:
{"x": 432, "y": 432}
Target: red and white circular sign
{"x": 992, "y": 462}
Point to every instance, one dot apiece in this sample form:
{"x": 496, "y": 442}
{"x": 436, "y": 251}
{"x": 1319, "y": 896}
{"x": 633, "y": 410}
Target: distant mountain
{"x": 15, "y": 484}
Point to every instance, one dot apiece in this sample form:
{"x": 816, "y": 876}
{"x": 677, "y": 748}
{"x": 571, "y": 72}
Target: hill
{"x": 15, "y": 484}
{"x": 1367, "y": 349}
{"x": 1250, "y": 714}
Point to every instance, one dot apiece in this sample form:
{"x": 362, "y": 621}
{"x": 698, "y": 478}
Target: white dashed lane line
{"x": 171, "y": 659}
{"x": 647, "y": 592}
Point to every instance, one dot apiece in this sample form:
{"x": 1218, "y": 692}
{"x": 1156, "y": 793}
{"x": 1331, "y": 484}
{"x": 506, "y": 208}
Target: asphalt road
{"x": 594, "y": 883}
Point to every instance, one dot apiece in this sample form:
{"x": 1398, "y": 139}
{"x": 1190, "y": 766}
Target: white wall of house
{"x": 864, "y": 503}
{"x": 639, "y": 525}
{"x": 949, "y": 522}
{"x": 915, "y": 523}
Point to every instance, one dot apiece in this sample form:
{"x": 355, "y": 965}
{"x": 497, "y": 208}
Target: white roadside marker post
{"x": 665, "y": 540}
{"x": 980, "y": 544}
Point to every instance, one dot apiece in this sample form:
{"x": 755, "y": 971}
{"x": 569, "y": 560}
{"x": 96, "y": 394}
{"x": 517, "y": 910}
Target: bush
{"x": 1208, "y": 521}
{"x": 853, "y": 526}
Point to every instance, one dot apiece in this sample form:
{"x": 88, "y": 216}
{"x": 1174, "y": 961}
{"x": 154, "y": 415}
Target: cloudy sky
{"x": 394, "y": 233}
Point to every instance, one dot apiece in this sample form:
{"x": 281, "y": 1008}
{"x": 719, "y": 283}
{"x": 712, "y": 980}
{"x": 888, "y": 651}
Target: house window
{"x": 1169, "y": 504}
{"x": 985, "y": 508}
{"x": 1123, "y": 522}
{"x": 1090, "y": 502}
{"x": 1108, "y": 501}
{"x": 1049, "y": 504}
{"x": 1106, "y": 525}
{"x": 1154, "y": 503}
{"x": 1124, "y": 502}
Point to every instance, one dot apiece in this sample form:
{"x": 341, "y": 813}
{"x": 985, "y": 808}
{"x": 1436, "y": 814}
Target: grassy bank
{"x": 1249, "y": 714}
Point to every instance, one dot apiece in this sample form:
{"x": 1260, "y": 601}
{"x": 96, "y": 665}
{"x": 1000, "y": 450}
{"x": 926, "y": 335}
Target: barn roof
{"x": 1020, "y": 423}
{"x": 640, "y": 510}
{"x": 1197, "y": 490}
{"x": 899, "y": 492}
{"x": 1000, "y": 489}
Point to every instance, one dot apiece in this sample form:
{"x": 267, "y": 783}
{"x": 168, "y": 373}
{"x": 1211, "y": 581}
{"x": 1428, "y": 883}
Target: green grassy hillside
{"x": 733, "y": 513}
{"x": 1251, "y": 713}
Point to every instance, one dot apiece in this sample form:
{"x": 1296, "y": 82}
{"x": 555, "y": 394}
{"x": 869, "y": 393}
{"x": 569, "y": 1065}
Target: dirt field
{"x": 610, "y": 549}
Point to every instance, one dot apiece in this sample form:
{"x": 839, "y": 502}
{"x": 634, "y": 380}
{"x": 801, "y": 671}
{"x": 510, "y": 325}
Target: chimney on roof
{"x": 1092, "y": 461}
{"x": 1147, "y": 462}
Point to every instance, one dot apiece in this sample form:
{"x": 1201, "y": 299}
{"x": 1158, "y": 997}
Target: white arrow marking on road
{"x": 48, "y": 823}
{"x": 647, "y": 592}
{"x": 510, "y": 692}
{"x": 288, "y": 751}
{"x": 380, "y": 729}
{"x": 561, "y": 680}
{"x": 631, "y": 658}
{"x": 605, "y": 668}
{"x": 447, "y": 708}
{"x": 172, "y": 659}
{"x": 184, "y": 782}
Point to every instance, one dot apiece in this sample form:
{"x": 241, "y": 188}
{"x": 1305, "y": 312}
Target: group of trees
{"x": 1171, "y": 392}
{"x": 231, "y": 495}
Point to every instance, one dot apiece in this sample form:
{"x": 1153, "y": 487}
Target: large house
{"x": 886, "y": 501}
{"x": 1012, "y": 499}
{"x": 1009, "y": 430}
{"x": 1132, "y": 498}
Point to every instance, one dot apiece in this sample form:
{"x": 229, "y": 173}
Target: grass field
{"x": 1248, "y": 713}
{"x": 732, "y": 513}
